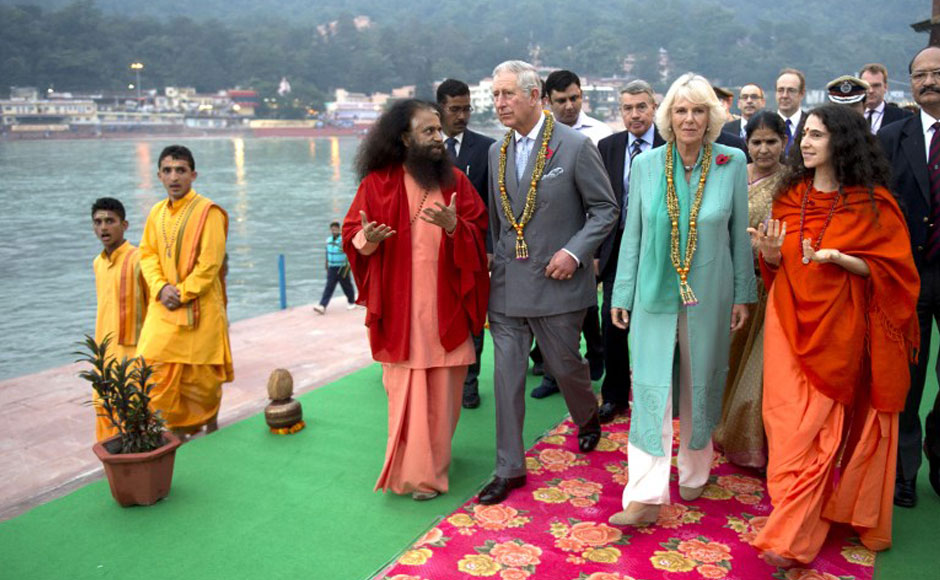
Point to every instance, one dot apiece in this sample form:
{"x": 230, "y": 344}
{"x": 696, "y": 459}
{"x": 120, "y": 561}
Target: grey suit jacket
{"x": 575, "y": 209}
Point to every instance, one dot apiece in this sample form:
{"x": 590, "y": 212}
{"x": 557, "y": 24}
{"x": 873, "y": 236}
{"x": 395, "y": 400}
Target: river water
{"x": 281, "y": 195}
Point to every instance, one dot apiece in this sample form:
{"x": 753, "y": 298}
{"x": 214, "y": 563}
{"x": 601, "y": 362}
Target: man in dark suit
{"x": 878, "y": 112}
{"x": 908, "y": 143}
{"x": 790, "y": 90}
{"x": 637, "y": 107}
{"x": 750, "y": 100}
{"x": 551, "y": 206}
{"x": 469, "y": 152}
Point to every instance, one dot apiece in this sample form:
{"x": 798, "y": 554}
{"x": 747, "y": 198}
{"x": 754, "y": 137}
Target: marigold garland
{"x": 672, "y": 206}
{"x": 288, "y": 430}
{"x": 522, "y": 249}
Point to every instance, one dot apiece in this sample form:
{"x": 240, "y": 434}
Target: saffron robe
{"x": 183, "y": 244}
{"x": 838, "y": 374}
{"x": 384, "y": 277}
{"x": 424, "y": 388}
{"x": 122, "y": 305}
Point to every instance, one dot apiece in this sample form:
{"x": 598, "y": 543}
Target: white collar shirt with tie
{"x": 875, "y": 117}
{"x": 524, "y": 146}
{"x": 927, "y": 121}
{"x": 457, "y": 140}
{"x": 645, "y": 145}
{"x": 742, "y": 133}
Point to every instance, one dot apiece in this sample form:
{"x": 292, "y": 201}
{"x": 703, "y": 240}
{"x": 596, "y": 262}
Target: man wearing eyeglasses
{"x": 750, "y": 100}
{"x": 469, "y": 152}
{"x": 791, "y": 88}
{"x": 913, "y": 147}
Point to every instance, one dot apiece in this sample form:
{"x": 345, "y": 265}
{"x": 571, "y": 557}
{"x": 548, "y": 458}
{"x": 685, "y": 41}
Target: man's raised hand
{"x": 373, "y": 232}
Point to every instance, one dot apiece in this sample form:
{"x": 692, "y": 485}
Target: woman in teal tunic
{"x": 684, "y": 277}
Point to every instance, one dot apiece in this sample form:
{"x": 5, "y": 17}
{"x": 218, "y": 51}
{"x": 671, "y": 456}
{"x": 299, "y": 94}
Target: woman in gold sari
{"x": 741, "y": 431}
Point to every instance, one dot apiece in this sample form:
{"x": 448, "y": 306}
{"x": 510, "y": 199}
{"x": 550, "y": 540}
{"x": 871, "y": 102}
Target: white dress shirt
{"x": 794, "y": 120}
{"x": 927, "y": 121}
{"x": 645, "y": 146}
{"x": 593, "y": 128}
{"x": 458, "y": 140}
{"x": 877, "y": 115}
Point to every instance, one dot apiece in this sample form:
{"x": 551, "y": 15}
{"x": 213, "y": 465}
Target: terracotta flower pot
{"x": 139, "y": 478}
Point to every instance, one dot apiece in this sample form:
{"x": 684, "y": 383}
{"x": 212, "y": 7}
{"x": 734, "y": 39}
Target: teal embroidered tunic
{"x": 721, "y": 274}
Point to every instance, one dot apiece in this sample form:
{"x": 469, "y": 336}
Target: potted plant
{"x": 139, "y": 459}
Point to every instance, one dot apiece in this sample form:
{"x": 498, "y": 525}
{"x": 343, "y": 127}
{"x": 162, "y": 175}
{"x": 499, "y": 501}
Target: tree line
{"x": 84, "y": 46}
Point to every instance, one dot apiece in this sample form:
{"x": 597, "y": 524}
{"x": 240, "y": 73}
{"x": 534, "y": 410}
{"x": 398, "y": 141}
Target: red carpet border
{"x": 555, "y": 528}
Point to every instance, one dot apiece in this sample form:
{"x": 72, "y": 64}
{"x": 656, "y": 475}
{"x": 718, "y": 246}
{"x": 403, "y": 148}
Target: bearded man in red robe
{"x": 415, "y": 236}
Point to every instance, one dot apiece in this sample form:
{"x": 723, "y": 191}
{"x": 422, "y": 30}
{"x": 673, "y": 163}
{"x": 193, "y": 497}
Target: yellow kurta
{"x": 195, "y": 357}
{"x": 108, "y": 270}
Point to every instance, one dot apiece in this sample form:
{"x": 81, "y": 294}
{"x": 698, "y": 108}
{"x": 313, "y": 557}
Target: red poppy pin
{"x": 722, "y": 159}
{"x": 548, "y": 153}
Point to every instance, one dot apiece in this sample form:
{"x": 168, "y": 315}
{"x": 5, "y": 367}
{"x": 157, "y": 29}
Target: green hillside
{"x": 215, "y": 44}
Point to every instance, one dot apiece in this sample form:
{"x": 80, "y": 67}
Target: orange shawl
{"x": 833, "y": 318}
{"x": 186, "y": 250}
{"x": 131, "y": 299}
{"x": 384, "y": 277}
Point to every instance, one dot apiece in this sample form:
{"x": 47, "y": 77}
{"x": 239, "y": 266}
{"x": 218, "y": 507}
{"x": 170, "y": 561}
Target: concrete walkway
{"x": 47, "y": 430}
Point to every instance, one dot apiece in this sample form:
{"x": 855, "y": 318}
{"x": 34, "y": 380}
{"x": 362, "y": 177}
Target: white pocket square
{"x": 554, "y": 173}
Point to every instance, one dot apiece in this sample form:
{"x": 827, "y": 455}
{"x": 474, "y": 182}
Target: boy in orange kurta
{"x": 186, "y": 329}
{"x": 414, "y": 236}
{"x": 120, "y": 289}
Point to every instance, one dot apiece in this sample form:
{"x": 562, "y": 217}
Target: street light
{"x": 137, "y": 67}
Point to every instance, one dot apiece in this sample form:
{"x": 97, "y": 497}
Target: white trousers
{"x": 649, "y": 474}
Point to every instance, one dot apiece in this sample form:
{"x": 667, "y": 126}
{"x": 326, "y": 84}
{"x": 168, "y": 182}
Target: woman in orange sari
{"x": 842, "y": 327}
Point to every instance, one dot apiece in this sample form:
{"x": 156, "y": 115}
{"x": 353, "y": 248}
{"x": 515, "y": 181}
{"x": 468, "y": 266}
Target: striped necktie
{"x": 635, "y": 150}
{"x": 933, "y": 173}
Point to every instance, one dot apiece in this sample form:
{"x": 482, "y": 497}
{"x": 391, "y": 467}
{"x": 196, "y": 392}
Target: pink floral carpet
{"x": 555, "y": 528}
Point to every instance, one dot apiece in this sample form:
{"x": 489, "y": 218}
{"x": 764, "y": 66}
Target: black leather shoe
{"x": 498, "y": 489}
{"x": 609, "y": 411}
{"x": 934, "y": 473}
{"x": 597, "y": 369}
{"x": 588, "y": 441}
{"x": 538, "y": 369}
{"x": 932, "y": 449}
{"x": 471, "y": 396}
{"x": 547, "y": 388}
{"x": 905, "y": 493}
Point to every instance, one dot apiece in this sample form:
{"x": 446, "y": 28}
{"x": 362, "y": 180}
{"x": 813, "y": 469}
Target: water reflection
{"x": 145, "y": 166}
{"x": 334, "y": 157}
{"x": 239, "y": 145}
{"x": 281, "y": 198}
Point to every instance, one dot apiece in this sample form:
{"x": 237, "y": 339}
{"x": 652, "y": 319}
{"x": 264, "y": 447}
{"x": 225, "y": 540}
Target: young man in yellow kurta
{"x": 186, "y": 330}
{"x": 120, "y": 288}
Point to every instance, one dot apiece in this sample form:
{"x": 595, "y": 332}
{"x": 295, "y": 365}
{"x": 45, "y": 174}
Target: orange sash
{"x": 186, "y": 252}
{"x": 131, "y": 300}
{"x": 833, "y": 318}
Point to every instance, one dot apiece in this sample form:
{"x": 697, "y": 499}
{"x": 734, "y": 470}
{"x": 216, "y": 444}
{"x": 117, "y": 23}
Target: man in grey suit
{"x": 542, "y": 278}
